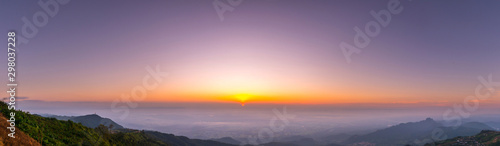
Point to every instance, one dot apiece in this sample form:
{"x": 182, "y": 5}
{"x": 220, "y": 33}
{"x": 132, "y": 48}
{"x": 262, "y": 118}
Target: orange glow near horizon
{"x": 266, "y": 55}
{"x": 238, "y": 77}
{"x": 242, "y": 98}
{"x": 248, "y": 85}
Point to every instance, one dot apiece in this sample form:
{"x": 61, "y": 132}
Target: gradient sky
{"x": 279, "y": 51}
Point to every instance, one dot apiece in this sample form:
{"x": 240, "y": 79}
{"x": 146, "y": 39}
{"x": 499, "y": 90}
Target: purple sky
{"x": 274, "y": 50}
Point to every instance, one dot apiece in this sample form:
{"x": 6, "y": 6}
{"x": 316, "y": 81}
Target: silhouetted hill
{"x": 398, "y": 135}
{"x": 227, "y": 140}
{"x": 65, "y": 118}
{"x": 486, "y": 137}
{"x": 407, "y": 133}
{"x": 181, "y": 140}
{"x": 51, "y": 131}
{"x": 92, "y": 120}
{"x": 466, "y": 129}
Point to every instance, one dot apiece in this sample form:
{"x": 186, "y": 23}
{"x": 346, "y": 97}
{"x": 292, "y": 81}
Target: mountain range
{"x": 38, "y": 130}
{"x": 95, "y": 130}
{"x": 408, "y": 133}
{"x": 485, "y": 137}
{"x": 91, "y": 121}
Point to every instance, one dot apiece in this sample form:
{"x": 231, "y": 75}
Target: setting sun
{"x": 242, "y": 98}
{"x": 230, "y": 73}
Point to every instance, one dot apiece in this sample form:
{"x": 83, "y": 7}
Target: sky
{"x": 262, "y": 52}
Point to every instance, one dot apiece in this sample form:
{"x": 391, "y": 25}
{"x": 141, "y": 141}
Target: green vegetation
{"x": 50, "y": 131}
{"x": 486, "y": 137}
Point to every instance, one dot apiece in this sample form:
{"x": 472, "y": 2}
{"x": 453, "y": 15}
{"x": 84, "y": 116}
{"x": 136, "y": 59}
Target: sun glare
{"x": 242, "y": 98}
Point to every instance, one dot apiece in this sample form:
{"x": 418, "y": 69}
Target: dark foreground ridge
{"x": 486, "y": 138}
{"x": 38, "y": 130}
{"x": 91, "y": 130}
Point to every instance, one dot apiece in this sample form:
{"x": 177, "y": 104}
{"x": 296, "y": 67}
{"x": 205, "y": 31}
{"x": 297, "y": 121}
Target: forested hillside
{"x": 50, "y": 131}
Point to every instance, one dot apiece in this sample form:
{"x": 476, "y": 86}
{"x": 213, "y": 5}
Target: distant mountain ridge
{"x": 69, "y": 130}
{"x": 51, "y": 131}
{"x": 227, "y": 140}
{"x": 486, "y": 137}
{"x": 91, "y": 120}
{"x": 182, "y": 140}
{"x": 407, "y": 133}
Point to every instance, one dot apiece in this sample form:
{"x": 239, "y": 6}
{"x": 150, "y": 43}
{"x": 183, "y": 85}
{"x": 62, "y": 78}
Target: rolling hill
{"x": 407, "y": 133}
{"x": 20, "y": 137}
{"x": 486, "y": 137}
{"x": 92, "y": 120}
{"x": 51, "y": 131}
{"x": 91, "y": 130}
{"x": 227, "y": 140}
